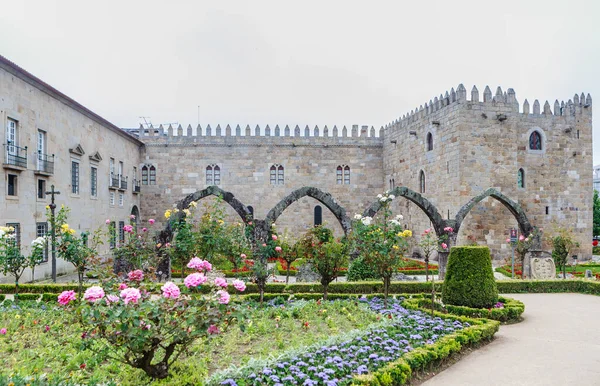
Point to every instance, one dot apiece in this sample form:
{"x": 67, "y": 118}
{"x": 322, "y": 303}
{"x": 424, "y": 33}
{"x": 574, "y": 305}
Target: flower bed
{"x": 342, "y": 361}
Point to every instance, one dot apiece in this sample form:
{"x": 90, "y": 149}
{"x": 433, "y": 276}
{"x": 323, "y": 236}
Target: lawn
{"x": 577, "y": 270}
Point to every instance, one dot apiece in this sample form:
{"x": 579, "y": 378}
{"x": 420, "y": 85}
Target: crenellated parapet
{"x": 503, "y": 101}
{"x": 258, "y": 136}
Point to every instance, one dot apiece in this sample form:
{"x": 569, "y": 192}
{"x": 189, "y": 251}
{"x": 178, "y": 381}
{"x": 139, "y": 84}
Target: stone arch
{"x": 424, "y": 204}
{"x": 323, "y": 197}
{"x": 135, "y": 212}
{"x": 228, "y": 197}
{"x": 514, "y": 208}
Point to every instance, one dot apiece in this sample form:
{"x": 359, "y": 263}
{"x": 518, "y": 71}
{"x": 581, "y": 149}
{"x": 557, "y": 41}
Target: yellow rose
{"x": 71, "y": 231}
{"x": 396, "y": 247}
{"x": 187, "y": 212}
{"x": 407, "y": 233}
{"x": 64, "y": 227}
{"x": 168, "y": 213}
{"x": 193, "y": 204}
{"x": 11, "y": 229}
{"x": 400, "y": 234}
{"x": 47, "y": 206}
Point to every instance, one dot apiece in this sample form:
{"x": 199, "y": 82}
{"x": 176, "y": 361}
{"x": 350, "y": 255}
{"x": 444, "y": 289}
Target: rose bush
{"x": 128, "y": 323}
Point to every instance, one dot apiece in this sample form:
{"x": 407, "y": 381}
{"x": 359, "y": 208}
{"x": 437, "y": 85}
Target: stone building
{"x": 449, "y": 150}
{"x": 50, "y": 139}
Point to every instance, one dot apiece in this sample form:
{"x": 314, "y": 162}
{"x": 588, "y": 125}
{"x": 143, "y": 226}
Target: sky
{"x": 300, "y": 63}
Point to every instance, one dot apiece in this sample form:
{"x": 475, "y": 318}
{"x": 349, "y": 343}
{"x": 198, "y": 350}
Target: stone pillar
{"x": 443, "y": 256}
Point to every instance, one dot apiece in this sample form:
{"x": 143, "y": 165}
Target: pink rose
{"x": 508, "y": 240}
{"x": 128, "y": 228}
{"x": 2, "y": 331}
{"x": 213, "y": 330}
{"x": 448, "y": 229}
{"x": 223, "y": 297}
{"x": 130, "y": 295}
{"x": 250, "y": 223}
{"x": 107, "y": 221}
{"x": 444, "y": 245}
{"x": 144, "y": 229}
{"x": 427, "y": 231}
{"x": 66, "y": 297}
{"x": 243, "y": 256}
{"x": 93, "y": 294}
{"x": 521, "y": 238}
{"x": 137, "y": 275}
{"x": 239, "y": 285}
{"x": 111, "y": 299}
{"x": 278, "y": 249}
{"x": 151, "y": 221}
{"x": 274, "y": 237}
{"x": 194, "y": 280}
{"x": 132, "y": 217}
{"x": 264, "y": 245}
{"x": 170, "y": 290}
{"x": 122, "y": 286}
{"x": 207, "y": 266}
{"x": 220, "y": 282}
{"x": 46, "y": 328}
{"x": 196, "y": 263}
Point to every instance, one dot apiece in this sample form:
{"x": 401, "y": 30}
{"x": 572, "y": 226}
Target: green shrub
{"x": 51, "y": 298}
{"x": 360, "y": 270}
{"x": 2, "y": 297}
{"x": 28, "y": 296}
{"x": 469, "y": 278}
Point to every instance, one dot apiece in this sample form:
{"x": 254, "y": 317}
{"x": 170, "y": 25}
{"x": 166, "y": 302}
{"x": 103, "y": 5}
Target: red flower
{"x": 82, "y": 366}
{"x": 595, "y": 243}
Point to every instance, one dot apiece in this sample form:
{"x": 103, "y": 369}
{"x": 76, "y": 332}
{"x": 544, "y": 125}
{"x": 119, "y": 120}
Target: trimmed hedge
{"x": 363, "y": 287}
{"x": 469, "y": 278}
{"x": 2, "y": 297}
{"x": 50, "y": 297}
{"x": 401, "y": 370}
{"x": 28, "y": 296}
{"x": 510, "y": 313}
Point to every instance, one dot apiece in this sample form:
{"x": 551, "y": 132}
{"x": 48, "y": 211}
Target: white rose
{"x": 366, "y": 220}
{"x": 357, "y": 216}
{"x": 399, "y": 217}
{"x": 379, "y": 196}
{"x": 391, "y": 196}
{"x": 383, "y": 199}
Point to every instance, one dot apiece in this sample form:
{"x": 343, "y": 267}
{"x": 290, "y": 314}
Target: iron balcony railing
{"x": 136, "y": 185}
{"x": 15, "y": 155}
{"x": 114, "y": 180}
{"x": 45, "y": 163}
{"x": 123, "y": 183}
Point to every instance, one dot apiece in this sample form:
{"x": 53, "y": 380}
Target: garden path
{"x": 557, "y": 343}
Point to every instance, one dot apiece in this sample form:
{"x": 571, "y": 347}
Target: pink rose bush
{"x": 134, "y": 324}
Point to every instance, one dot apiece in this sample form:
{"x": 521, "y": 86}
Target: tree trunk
{"x": 427, "y": 269}
{"x": 33, "y": 274}
{"x": 80, "y": 277}
{"x": 386, "y": 290}
{"x": 287, "y": 276}
{"x": 325, "y": 287}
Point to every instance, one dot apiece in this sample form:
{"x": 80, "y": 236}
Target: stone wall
{"x": 245, "y": 163}
{"x": 36, "y": 106}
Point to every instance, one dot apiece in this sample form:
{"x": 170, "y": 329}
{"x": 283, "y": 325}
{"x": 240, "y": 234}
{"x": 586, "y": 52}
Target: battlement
{"x": 577, "y": 105}
{"x": 209, "y": 133}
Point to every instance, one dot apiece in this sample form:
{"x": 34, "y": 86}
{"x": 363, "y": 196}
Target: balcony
{"x": 113, "y": 181}
{"x": 123, "y": 185}
{"x": 15, "y": 157}
{"x": 136, "y": 185}
{"x": 45, "y": 164}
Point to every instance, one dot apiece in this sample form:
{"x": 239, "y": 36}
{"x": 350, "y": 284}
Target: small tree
{"x": 290, "y": 252}
{"x": 326, "y": 255}
{"x": 522, "y": 247}
{"x": 138, "y": 248}
{"x": 382, "y": 242}
{"x": 12, "y": 262}
{"x": 38, "y": 246}
{"x": 562, "y": 244}
{"x": 428, "y": 244}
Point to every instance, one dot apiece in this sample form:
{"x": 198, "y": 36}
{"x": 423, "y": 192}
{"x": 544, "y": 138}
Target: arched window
{"x": 342, "y": 175}
{"x": 535, "y": 141}
{"x": 422, "y": 182}
{"x": 521, "y": 178}
{"x": 276, "y": 175}
{"x": 318, "y": 215}
{"x": 213, "y": 175}
{"x": 429, "y": 141}
{"x": 152, "y": 175}
{"x": 144, "y": 175}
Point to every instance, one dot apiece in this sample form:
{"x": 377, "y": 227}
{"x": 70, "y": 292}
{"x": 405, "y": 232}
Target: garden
{"x": 215, "y": 320}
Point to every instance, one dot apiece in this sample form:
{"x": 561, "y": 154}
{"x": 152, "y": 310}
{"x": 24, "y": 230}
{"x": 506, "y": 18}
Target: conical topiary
{"x": 469, "y": 278}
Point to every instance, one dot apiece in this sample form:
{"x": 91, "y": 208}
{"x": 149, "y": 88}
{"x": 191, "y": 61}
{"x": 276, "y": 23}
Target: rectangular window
{"x": 111, "y": 166}
{"x": 12, "y": 184}
{"x": 280, "y": 178}
{"x": 94, "y": 181}
{"x": 217, "y": 174}
{"x": 74, "y": 177}
{"x": 41, "y": 189}
{"x": 121, "y": 199}
{"x": 347, "y": 176}
{"x": 152, "y": 175}
{"x": 17, "y": 233}
{"x": 41, "y": 150}
{"x": 42, "y": 231}
{"x": 112, "y": 198}
{"x": 547, "y": 210}
{"x": 338, "y": 176}
{"x": 11, "y": 136}
{"x": 121, "y": 231}
{"x": 273, "y": 176}
{"x": 113, "y": 234}
{"x": 209, "y": 176}
{"x": 120, "y": 168}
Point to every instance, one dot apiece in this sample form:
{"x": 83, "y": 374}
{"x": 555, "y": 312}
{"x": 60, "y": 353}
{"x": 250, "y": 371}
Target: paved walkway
{"x": 558, "y": 343}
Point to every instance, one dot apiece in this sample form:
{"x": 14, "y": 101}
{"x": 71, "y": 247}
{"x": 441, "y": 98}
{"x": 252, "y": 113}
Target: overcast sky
{"x": 303, "y": 62}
